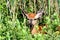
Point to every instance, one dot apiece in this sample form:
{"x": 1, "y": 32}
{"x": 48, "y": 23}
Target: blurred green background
{"x": 13, "y": 25}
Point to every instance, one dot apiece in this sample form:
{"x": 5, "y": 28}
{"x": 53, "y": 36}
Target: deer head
{"x": 32, "y": 18}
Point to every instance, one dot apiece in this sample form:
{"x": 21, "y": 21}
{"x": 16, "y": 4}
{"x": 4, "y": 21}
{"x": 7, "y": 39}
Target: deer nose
{"x": 30, "y": 23}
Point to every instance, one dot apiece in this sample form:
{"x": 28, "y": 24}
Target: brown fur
{"x": 39, "y": 30}
{"x": 31, "y": 15}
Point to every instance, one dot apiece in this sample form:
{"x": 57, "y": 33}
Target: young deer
{"x": 33, "y": 21}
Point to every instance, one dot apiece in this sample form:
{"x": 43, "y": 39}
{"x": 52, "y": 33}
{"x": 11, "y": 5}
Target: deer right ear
{"x": 24, "y": 13}
{"x": 39, "y": 14}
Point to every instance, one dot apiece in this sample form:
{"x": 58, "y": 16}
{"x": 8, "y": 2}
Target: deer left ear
{"x": 24, "y": 13}
{"x": 39, "y": 14}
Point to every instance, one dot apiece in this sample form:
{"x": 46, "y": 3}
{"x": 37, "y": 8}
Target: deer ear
{"x": 24, "y": 13}
{"x": 39, "y": 14}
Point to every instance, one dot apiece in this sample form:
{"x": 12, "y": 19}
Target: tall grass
{"x": 13, "y": 24}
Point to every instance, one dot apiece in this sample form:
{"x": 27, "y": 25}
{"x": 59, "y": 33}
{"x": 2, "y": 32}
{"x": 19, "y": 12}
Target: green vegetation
{"x": 13, "y": 25}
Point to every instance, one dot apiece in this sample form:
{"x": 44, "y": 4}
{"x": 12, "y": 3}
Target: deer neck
{"x": 33, "y": 29}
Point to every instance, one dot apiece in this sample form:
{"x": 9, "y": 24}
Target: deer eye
{"x": 35, "y": 19}
{"x": 27, "y": 19}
